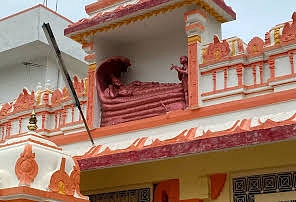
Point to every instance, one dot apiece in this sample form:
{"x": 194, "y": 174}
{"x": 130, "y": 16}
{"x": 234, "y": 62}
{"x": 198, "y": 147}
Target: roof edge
{"x": 85, "y": 24}
{"x": 197, "y": 146}
{"x": 32, "y": 8}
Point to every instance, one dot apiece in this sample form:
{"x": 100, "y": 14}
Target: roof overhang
{"x": 197, "y": 146}
{"x": 123, "y": 15}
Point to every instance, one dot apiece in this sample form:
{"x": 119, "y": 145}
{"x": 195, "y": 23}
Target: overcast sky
{"x": 254, "y": 17}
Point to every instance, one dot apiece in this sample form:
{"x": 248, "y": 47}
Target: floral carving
{"x": 5, "y": 109}
{"x": 255, "y": 46}
{"x": 65, "y": 92}
{"x": 60, "y": 182}
{"x": 24, "y": 101}
{"x": 240, "y": 45}
{"x": 267, "y": 38}
{"x": 26, "y": 168}
{"x": 56, "y": 97}
{"x": 289, "y": 30}
{"x": 75, "y": 178}
{"x": 78, "y": 85}
{"x": 217, "y": 50}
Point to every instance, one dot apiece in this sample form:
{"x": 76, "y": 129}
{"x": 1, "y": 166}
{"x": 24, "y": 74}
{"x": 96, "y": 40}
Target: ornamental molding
{"x": 61, "y": 182}
{"x": 26, "y": 168}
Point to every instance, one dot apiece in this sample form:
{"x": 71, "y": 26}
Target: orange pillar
{"x": 90, "y": 95}
{"x": 91, "y": 60}
{"x": 194, "y": 28}
{"x": 192, "y": 73}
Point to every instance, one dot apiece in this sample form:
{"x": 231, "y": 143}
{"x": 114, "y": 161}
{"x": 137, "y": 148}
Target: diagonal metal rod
{"x": 53, "y": 44}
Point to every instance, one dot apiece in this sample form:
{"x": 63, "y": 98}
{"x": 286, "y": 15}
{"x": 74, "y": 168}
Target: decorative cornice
{"x": 130, "y": 9}
{"x": 61, "y": 182}
{"x": 238, "y": 139}
{"x": 195, "y": 38}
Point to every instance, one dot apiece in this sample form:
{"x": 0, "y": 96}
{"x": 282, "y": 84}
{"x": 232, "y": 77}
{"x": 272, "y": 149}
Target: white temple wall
{"x": 248, "y": 76}
{"x": 258, "y": 74}
{"x": 211, "y": 122}
{"x": 22, "y": 41}
{"x": 282, "y": 66}
{"x": 105, "y": 49}
{"x": 58, "y": 25}
{"x": 14, "y": 78}
{"x": 155, "y": 55}
{"x": 26, "y": 24}
{"x": 26, "y": 27}
{"x": 208, "y": 80}
{"x": 266, "y": 73}
{"x": 147, "y": 56}
{"x": 220, "y": 80}
{"x": 212, "y": 27}
{"x": 232, "y": 79}
{"x": 17, "y": 76}
{"x": 52, "y": 75}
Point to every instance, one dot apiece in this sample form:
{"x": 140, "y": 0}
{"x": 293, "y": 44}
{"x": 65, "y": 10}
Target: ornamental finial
{"x": 32, "y": 126}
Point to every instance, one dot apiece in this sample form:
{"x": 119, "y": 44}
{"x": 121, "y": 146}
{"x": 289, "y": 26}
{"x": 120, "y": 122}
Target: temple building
{"x": 176, "y": 112}
{"x": 33, "y": 167}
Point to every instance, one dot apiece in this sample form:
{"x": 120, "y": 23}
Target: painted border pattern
{"x": 245, "y": 188}
{"x": 141, "y": 195}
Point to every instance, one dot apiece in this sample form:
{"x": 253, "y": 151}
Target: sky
{"x": 254, "y": 17}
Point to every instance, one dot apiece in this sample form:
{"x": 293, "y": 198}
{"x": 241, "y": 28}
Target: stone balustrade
{"x": 232, "y": 70}
{"x": 54, "y": 110}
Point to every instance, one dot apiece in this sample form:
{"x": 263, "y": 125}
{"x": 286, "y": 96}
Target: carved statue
{"x": 183, "y": 75}
{"x": 137, "y": 100}
{"x": 116, "y": 89}
{"x": 24, "y": 100}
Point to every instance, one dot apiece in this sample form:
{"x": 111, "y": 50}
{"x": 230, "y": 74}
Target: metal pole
{"x": 53, "y": 44}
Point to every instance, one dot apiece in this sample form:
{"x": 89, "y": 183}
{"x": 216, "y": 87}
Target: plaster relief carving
{"x": 56, "y": 97}
{"x": 183, "y": 75}
{"x": 75, "y": 178}
{"x": 24, "y": 101}
{"x": 289, "y": 30}
{"x": 255, "y": 46}
{"x": 137, "y": 100}
{"x": 78, "y": 85}
{"x": 60, "y": 182}
{"x": 217, "y": 50}
{"x": 26, "y": 168}
{"x": 5, "y": 109}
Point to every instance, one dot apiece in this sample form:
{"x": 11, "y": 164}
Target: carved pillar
{"x": 254, "y": 74}
{"x": 3, "y": 132}
{"x": 225, "y": 78}
{"x": 261, "y": 72}
{"x": 8, "y": 129}
{"x": 43, "y": 121}
{"x": 195, "y": 21}
{"x": 20, "y": 126}
{"x": 72, "y": 113}
{"x": 239, "y": 71}
{"x": 91, "y": 60}
{"x": 214, "y": 81}
{"x": 271, "y": 67}
{"x": 291, "y": 58}
{"x": 64, "y": 116}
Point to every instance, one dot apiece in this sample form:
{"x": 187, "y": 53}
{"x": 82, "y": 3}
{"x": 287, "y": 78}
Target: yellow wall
{"x": 193, "y": 170}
